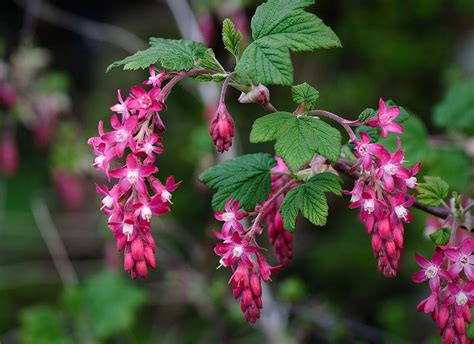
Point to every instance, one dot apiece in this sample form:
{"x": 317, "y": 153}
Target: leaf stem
{"x": 165, "y": 92}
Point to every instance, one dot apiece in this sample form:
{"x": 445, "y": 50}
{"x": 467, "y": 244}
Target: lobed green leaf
{"x": 298, "y": 138}
{"x": 305, "y": 94}
{"x": 441, "y": 236}
{"x": 231, "y": 37}
{"x": 433, "y": 191}
{"x": 310, "y": 200}
{"x": 171, "y": 54}
{"x": 279, "y": 26}
{"x": 246, "y": 179}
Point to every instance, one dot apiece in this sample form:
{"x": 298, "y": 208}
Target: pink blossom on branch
{"x": 136, "y": 195}
{"x": 384, "y": 119}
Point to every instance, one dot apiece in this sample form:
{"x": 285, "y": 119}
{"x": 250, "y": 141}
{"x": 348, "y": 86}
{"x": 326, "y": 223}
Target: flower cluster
{"x": 381, "y": 191}
{"x": 240, "y": 252}
{"x": 281, "y": 239}
{"x": 136, "y": 195}
{"x": 450, "y": 273}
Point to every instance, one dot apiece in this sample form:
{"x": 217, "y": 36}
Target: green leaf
{"x": 305, "y": 94}
{"x": 209, "y": 61}
{"x": 365, "y": 115}
{"x": 441, "y": 236}
{"x": 172, "y": 54}
{"x": 456, "y": 109}
{"x": 42, "y": 325}
{"x": 309, "y": 198}
{"x": 279, "y": 26}
{"x": 231, "y": 37}
{"x": 246, "y": 179}
{"x": 266, "y": 65}
{"x": 110, "y": 303}
{"x": 298, "y": 138}
{"x": 433, "y": 191}
{"x": 371, "y": 131}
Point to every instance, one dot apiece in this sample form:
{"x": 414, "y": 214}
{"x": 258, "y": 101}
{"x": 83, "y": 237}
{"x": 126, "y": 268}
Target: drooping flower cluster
{"x": 240, "y": 252}
{"x": 381, "y": 191}
{"x": 281, "y": 239}
{"x": 136, "y": 195}
{"x": 450, "y": 273}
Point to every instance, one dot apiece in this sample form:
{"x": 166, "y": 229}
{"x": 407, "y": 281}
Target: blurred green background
{"x": 420, "y": 53}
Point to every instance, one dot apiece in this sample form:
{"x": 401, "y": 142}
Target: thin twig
{"x": 53, "y": 241}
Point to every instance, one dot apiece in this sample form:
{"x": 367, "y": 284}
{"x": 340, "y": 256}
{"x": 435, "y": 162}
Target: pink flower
{"x": 122, "y": 107}
{"x": 122, "y": 136}
{"x": 431, "y": 270}
{"x": 144, "y": 101}
{"x": 399, "y": 205}
{"x": 461, "y": 296}
{"x": 390, "y": 167}
{"x": 233, "y": 250}
{"x": 371, "y": 208}
{"x": 222, "y": 128}
{"x": 164, "y": 191}
{"x": 132, "y": 175}
{"x": 154, "y": 79}
{"x": 231, "y": 216}
{"x": 366, "y": 151}
{"x": 384, "y": 119}
{"x": 462, "y": 259}
{"x": 149, "y": 146}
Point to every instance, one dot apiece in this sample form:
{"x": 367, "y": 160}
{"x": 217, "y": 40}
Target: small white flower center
{"x": 120, "y": 135}
{"x": 363, "y": 149}
{"x": 127, "y": 229}
{"x": 228, "y": 217}
{"x": 369, "y": 206}
{"x": 461, "y": 298}
{"x": 145, "y": 212}
{"x": 149, "y": 148}
{"x": 431, "y": 272}
{"x": 390, "y": 168}
{"x": 145, "y": 102}
{"x": 132, "y": 176}
{"x": 237, "y": 251}
{"x": 401, "y": 212}
{"x": 464, "y": 260}
{"x": 411, "y": 182}
{"x": 166, "y": 196}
